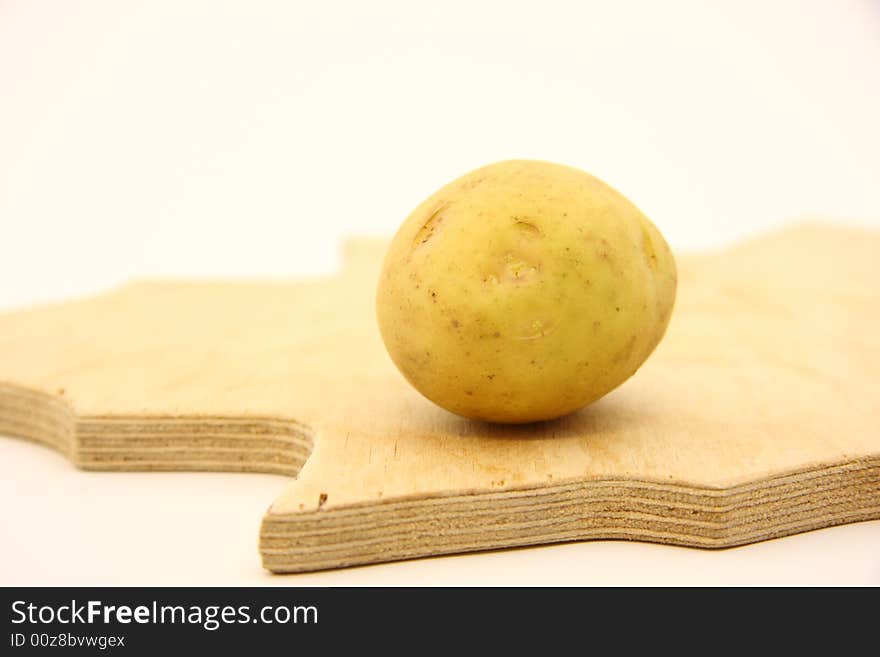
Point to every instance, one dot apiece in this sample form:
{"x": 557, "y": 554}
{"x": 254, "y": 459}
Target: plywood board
{"x": 756, "y": 417}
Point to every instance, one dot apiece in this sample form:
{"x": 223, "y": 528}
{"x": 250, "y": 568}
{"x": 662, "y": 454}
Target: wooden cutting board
{"x": 757, "y": 416}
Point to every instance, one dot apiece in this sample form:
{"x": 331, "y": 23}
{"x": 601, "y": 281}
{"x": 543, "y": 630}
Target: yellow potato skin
{"x": 523, "y": 291}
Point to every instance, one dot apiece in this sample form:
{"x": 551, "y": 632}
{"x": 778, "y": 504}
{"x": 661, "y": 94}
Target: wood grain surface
{"x": 756, "y": 417}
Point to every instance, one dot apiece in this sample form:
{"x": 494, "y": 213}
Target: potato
{"x": 523, "y": 291}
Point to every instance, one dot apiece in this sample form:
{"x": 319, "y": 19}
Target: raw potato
{"x": 523, "y": 291}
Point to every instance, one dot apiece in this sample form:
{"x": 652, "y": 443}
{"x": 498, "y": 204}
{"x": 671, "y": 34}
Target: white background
{"x": 246, "y": 138}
